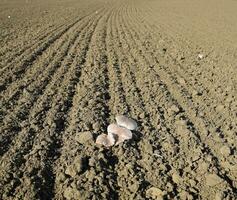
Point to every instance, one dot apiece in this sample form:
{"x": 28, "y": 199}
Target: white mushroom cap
{"x": 105, "y": 140}
{"x": 120, "y": 132}
{"x": 126, "y": 122}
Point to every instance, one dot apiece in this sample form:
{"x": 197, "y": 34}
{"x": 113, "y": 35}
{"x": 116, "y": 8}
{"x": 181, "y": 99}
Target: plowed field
{"x": 68, "y": 67}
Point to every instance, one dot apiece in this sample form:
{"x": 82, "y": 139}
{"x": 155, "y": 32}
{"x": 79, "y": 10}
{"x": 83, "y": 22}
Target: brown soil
{"x": 68, "y": 67}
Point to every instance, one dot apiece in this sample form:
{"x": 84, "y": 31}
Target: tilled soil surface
{"x": 68, "y": 67}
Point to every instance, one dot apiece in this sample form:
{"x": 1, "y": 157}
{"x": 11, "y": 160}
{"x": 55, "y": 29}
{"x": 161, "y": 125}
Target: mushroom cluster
{"x": 117, "y": 133}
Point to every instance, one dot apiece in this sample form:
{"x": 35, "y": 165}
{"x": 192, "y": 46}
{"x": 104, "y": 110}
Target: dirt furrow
{"x": 42, "y": 37}
{"x": 32, "y": 92}
{"x": 201, "y": 126}
{"x": 38, "y": 50}
{"x": 67, "y": 68}
{"x": 187, "y": 89}
{"x": 213, "y": 101}
{"x": 118, "y": 103}
{"x": 18, "y": 69}
{"x": 55, "y": 115}
{"x": 223, "y": 135}
{"x": 13, "y": 92}
{"x": 16, "y": 56}
{"x": 132, "y": 164}
{"x": 128, "y": 183}
{"x": 220, "y": 170}
{"x": 6, "y": 53}
{"x": 56, "y": 121}
{"x": 92, "y": 90}
{"x": 152, "y": 151}
{"x": 8, "y": 57}
{"x": 188, "y": 63}
{"x": 31, "y": 31}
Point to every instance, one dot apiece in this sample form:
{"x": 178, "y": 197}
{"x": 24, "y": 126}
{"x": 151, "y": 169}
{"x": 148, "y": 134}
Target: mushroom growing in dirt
{"x": 126, "y": 122}
{"x": 117, "y": 133}
{"x": 120, "y": 133}
{"x": 106, "y": 140}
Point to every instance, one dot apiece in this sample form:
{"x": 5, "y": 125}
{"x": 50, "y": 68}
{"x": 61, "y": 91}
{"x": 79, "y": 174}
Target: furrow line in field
{"x": 119, "y": 105}
{"x": 220, "y": 170}
{"x": 44, "y": 34}
{"x": 54, "y": 120}
{"x": 132, "y": 154}
{"x": 57, "y": 121}
{"x": 34, "y": 90}
{"x": 10, "y": 58}
{"x": 16, "y": 90}
{"x": 151, "y": 143}
{"x": 203, "y": 69}
{"x": 89, "y": 111}
{"x": 118, "y": 101}
{"x": 40, "y": 31}
{"x": 18, "y": 69}
{"x": 172, "y": 71}
{"x": 136, "y": 55}
{"x": 210, "y": 124}
{"x": 177, "y": 72}
{"x": 201, "y": 124}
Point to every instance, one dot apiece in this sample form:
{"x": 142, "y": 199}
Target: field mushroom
{"x": 106, "y": 140}
{"x": 121, "y": 133}
{"x": 117, "y": 133}
{"x": 126, "y": 122}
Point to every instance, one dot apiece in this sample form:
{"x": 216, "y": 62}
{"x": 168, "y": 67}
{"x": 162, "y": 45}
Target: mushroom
{"x": 106, "y": 140}
{"x": 126, "y": 122}
{"x": 119, "y": 133}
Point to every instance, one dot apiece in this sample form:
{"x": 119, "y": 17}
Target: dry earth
{"x": 69, "y": 66}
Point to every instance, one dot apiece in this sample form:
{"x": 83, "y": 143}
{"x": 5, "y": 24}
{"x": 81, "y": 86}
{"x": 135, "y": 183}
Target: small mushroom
{"x": 106, "y": 140}
{"x": 126, "y": 122}
{"x": 119, "y": 133}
